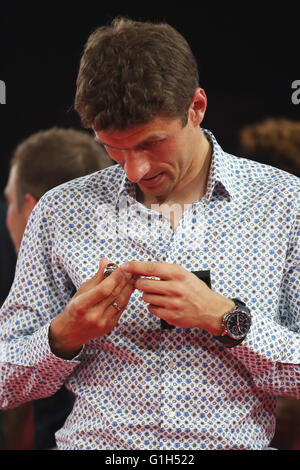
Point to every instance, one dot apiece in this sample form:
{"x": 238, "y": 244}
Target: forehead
{"x": 157, "y": 128}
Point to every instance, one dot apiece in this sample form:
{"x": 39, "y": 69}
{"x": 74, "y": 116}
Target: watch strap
{"x": 229, "y": 342}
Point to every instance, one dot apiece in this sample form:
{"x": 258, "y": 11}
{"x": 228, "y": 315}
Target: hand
{"x": 90, "y": 313}
{"x": 179, "y": 297}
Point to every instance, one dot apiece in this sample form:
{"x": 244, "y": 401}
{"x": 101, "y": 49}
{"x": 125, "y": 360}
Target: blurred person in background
{"x": 276, "y": 142}
{"x": 44, "y": 160}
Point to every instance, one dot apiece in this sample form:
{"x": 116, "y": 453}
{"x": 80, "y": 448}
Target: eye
{"x": 114, "y": 152}
{"x": 151, "y": 143}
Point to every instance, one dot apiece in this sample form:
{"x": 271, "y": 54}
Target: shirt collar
{"x": 126, "y": 188}
{"x": 220, "y": 179}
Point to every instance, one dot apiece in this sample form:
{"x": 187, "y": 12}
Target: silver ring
{"x": 109, "y": 269}
{"x": 114, "y": 304}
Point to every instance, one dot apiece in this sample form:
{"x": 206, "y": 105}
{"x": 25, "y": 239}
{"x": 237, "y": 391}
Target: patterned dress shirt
{"x": 141, "y": 386}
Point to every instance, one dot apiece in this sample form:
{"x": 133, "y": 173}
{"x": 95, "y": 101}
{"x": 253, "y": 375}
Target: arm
{"x": 29, "y": 370}
{"x": 270, "y": 351}
{"x": 42, "y": 324}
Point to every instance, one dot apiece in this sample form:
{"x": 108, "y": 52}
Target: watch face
{"x": 237, "y": 324}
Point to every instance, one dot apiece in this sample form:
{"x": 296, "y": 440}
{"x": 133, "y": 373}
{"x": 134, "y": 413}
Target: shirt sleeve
{"x": 40, "y": 291}
{"x": 271, "y": 350}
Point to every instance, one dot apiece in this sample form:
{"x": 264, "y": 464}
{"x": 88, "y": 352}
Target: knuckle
{"x": 152, "y": 308}
{"x": 146, "y": 297}
{"x": 175, "y": 292}
{"x": 116, "y": 291}
{"x": 77, "y": 307}
{"x": 174, "y": 306}
{"x": 91, "y": 321}
{"x": 180, "y": 276}
{"x": 101, "y": 324}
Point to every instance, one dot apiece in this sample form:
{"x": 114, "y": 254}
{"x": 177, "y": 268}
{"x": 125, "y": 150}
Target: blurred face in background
{"x": 16, "y": 218}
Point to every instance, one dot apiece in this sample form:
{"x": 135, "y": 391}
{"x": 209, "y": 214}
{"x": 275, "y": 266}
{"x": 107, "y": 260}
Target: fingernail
{"x": 125, "y": 266}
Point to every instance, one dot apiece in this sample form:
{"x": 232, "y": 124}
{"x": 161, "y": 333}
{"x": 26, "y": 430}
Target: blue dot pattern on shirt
{"x": 141, "y": 387}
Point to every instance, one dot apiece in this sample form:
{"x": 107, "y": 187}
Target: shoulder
{"x": 99, "y": 187}
{"x": 264, "y": 180}
{"x": 77, "y": 200}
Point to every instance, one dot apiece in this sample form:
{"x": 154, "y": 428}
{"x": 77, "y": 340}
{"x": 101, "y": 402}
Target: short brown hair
{"x": 273, "y": 141}
{"x": 132, "y": 72}
{"x": 52, "y": 157}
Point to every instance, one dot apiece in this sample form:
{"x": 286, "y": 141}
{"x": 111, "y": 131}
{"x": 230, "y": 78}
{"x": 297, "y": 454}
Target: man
{"x": 191, "y": 228}
{"x": 41, "y": 162}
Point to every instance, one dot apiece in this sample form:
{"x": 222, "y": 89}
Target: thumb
{"x": 96, "y": 279}
{"x": 102, "y": 265}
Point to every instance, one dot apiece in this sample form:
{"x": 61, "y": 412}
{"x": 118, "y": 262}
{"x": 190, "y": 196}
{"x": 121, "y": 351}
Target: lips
{"x": 151, "y": 178}
{"x": 151, "y": 181}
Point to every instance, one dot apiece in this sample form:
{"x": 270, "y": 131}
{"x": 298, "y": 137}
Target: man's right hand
{"x": 90, "y": 313}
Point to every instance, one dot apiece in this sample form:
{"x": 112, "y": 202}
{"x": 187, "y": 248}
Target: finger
{"x": 122, "y": 299}
{"x": 107, "y": 315}
{"x": 154, "y": 269}
{"x": 161, "y": 313}
{"x": 113, "y": 313}
{"x": 94, "y": 281}
{"x": 169, "y": 288}
{"x": 111, "y": 286}
{"x": 99, "y": 274}
{"x": 162, "y": 301}
{"x": 102, "y": 265}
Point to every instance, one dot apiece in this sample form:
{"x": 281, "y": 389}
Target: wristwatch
{"x": 235, "y": 324}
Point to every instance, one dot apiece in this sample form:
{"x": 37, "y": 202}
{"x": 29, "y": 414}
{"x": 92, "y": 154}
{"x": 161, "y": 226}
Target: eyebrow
{"x": 151, "y": 137}
{"x": 96, "y": 138}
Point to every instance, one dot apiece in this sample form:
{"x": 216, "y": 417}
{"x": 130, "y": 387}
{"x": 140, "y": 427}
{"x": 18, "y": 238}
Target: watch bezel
{"x": 228, "y": 339}
{"x": 227, "y": 327}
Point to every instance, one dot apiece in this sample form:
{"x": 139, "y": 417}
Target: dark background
{"x": 248, "y": 57}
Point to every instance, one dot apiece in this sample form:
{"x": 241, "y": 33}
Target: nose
{"x": 136, "y": 165}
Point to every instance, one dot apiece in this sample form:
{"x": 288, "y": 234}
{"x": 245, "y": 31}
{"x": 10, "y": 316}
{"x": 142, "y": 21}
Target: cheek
{"x": 174, "y": 153}
{"x": 15, "y": 225}
{"x": 10, "y": 217}
{"x": 166, "y": 158}
{"x": 116, "y": 156}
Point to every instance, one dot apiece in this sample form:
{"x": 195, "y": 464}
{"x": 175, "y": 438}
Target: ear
{"x": 29, "y": 203}
{"x": 198, "y": 107}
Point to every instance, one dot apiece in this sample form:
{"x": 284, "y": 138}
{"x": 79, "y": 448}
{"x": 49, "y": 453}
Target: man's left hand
{"x": 178, "y": 296}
